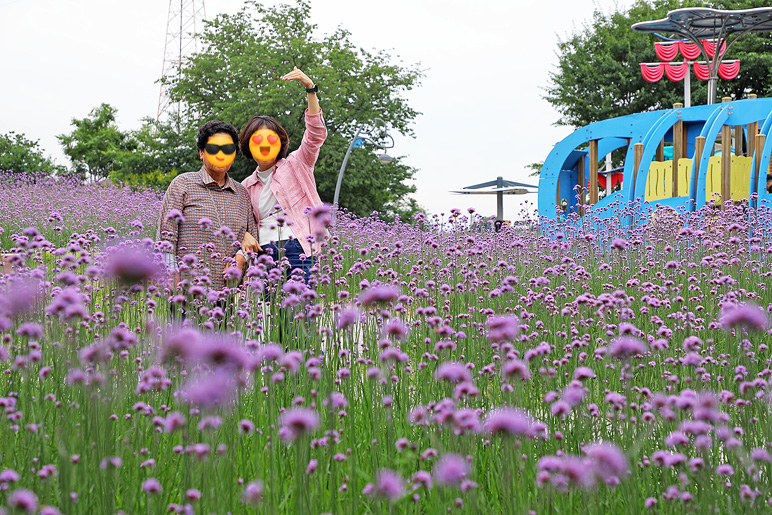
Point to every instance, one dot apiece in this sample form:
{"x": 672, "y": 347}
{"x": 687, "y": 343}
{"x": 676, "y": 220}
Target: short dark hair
{"x": 257, "y": 123}
{"x": 209, "y": 128}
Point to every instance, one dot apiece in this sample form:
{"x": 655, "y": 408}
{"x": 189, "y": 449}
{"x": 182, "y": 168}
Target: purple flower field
{"x": 434, "y": 366}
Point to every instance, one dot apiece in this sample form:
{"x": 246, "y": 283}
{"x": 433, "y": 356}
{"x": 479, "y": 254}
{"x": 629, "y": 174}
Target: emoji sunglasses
{"x": 213, "y": 149}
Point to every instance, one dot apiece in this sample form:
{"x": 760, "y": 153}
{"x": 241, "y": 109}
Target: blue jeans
{"x": 286, "y": 331}
{"x": 292, "y": 250}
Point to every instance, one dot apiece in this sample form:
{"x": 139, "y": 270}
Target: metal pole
{"x": 360, "y": 132}
{"x": 179, "y": 61}
{"x": 688, "y": 85}
{"x": 712, "y": 85}
{"x": 343, "y": 168}
{"x": 499, "y": 199}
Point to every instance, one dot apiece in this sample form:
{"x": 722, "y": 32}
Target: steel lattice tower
{"x": 185, "y": 20}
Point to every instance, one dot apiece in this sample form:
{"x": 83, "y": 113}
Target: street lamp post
{"x": 365, "y": 134}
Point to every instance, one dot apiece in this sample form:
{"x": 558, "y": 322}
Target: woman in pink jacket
{"x": 282, "y": 188}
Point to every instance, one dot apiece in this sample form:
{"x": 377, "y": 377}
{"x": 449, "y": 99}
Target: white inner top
{"x": 267, "y": 207}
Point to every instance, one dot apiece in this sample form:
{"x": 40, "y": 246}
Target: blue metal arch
{"x": 710, "y": 133}
{"x": 650, "y": 144}
{"x": 761, "y": 182}
{"x": 627, "y": 128}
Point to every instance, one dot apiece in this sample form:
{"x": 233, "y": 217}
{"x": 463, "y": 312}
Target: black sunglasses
{"x": 213, "y": 149}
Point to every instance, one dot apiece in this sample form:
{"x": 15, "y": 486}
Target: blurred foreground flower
{"x": 609, "y": 462}
{"x": 503, "y": 328}
{"x": 253, "y": 492}
{"x": 296, "y": 422}
{"x": 748, "y": 316}
{"x": 510, "y": 422}
{"x": 23, "y": 500}
{"x": 379, "y": 294}
{"x": 151, "y": 486}
{"x": 18, "y": 297}
{"x": 132, "y": 265}
{"x": 626, "y": 347}
{"x": 388, "y": 484}
{"x": 451, "y": 470}
{"x": 210, "y": 390}
{"x": 321, "y": 218}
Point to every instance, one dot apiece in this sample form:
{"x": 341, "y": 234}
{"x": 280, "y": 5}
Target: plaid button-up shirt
{"x": 196, "y": 195}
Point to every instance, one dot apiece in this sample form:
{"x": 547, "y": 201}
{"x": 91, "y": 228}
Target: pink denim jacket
{"x": 293, "y": 183}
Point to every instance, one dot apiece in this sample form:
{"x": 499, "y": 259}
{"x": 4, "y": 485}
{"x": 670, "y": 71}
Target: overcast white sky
{"x": 482, "y": 113}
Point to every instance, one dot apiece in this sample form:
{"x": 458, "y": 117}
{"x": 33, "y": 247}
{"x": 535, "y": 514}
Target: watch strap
{"x": 315, "y": 89}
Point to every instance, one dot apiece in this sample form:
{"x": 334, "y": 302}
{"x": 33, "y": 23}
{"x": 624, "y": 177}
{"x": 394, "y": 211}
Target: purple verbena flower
{"x": 451, "y": 470}
{"x": 452, "y": 371}
{"x": 379, "y": 294}
{"x": 23, "y": 500}
{"x": 151, "y": 486}
{"x": 618, "y": 244}
{"x": 9, "y": 476}
{"x": 626, "y": 347}
{"x": 246, "y": 427}
{"x": 389, "y": 484}
{"x": 210, "y": 390}
{"x": 299, "y": 421}
{"x": 508, "y": 422}
{"x": 132, "y": 265}
{"x": 175, "y": 215}
{"x": 748, "y": 316}
{"x": 503, "y": 328}
{"x": 423, "y": 478}
{"x": 516, "y": 369}
{"x": 347, "y": 318}
{"x": 608, "y": 460}
{"x": 253, "y": 492}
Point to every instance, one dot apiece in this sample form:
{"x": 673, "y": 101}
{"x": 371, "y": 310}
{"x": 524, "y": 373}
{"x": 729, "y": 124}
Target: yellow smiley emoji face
{"x": 220, "y": 150}
{"x": 264, "y": 145}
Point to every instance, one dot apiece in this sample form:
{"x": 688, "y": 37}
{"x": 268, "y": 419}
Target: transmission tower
{"x": 185, "y": 20}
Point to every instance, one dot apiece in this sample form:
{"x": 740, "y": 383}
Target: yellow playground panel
{"x": 659, "y": 183}
{"x": 739, "y": 183}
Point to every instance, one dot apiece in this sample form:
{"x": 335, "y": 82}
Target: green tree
{"x": 598, "y": 74}
{"x": 535, "y": 169}
{"x": 157, "y": 152}
{"x": 237, "y": 75}
{"x": 755, "y": 54}
{"x": 21, "y": 155}
{"x": 95, "y": 143}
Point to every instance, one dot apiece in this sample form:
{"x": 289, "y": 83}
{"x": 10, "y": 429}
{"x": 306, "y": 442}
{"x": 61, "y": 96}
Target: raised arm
{"x": 305, "y": 80}
{"x": 316, "y": 132}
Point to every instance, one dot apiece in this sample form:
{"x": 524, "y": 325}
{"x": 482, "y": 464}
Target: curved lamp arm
{"x": 366, "y": 135}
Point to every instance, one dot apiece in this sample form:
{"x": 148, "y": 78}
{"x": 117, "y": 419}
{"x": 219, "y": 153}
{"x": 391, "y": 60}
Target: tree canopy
{"x": 21, "y": 155}
{"x": 95, "y": 142}
{"x": 237, "y": 76}
{"x": 598, "y": 72}
{"x": 157, "y": 152}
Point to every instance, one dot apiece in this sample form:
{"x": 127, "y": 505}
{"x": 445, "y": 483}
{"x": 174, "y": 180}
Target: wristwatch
{"x": 315, "y": 89}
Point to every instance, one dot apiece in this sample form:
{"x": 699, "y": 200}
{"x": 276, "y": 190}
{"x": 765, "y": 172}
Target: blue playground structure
{"x": 719, "y": 151}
